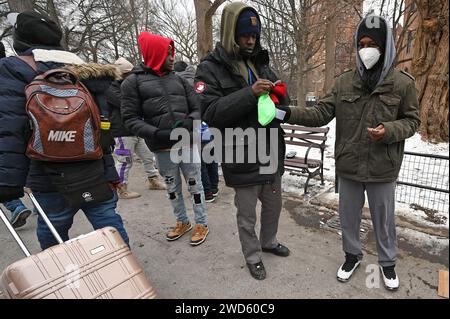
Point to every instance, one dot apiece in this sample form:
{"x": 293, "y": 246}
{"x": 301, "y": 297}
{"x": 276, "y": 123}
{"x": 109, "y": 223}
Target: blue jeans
{"x": 99, "y": 215}
{"x": 210, "y": 176}
{"x": 14, "y": 205}
{"x": 192, "y": 175}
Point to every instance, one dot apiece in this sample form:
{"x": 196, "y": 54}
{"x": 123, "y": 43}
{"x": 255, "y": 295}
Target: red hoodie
{"x": 154, "y": 49}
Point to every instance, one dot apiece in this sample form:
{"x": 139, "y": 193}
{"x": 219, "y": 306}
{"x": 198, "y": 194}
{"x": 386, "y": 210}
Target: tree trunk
{"x": 330, "y": 51}
{"x": 53, "y": 14}
{"x": 204, "y": 11}
{"x": 301, "y": 91}
{"x": 20, "y": 5}
{"x": 430, "y": 67}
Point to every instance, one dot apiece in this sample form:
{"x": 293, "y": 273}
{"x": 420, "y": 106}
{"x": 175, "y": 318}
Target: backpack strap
{"x": 29, "y": 60}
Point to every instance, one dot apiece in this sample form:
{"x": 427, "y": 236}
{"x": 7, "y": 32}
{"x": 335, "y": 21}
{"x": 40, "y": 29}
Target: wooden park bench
{"x": 308, "y": 137}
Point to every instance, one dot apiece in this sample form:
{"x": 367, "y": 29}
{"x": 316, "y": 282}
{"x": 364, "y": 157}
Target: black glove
{"x": 188, "y": 124}
{"x": 287, "y": 109}
{"x": 8, "y": 193}
{"x": 163, "y": 134}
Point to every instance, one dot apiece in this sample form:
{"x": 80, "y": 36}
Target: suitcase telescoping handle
{"x": 14, "y": 233}
{"x": 44, "y": 217}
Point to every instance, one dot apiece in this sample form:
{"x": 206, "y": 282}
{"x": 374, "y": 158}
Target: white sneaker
{"x": 390, "y": 278}
{"x": 348, "y": 267}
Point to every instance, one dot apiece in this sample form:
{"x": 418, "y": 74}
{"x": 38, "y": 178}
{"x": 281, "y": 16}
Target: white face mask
{"x": 369, "y": 57}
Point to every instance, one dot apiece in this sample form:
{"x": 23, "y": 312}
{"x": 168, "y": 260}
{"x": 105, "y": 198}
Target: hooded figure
{"x": 154, "y": 50}
{"x": 376, "y": 110}
{"x": 376, "y": 28}
{"x": 156, "y": 101}
{"x": 230, "y": 82}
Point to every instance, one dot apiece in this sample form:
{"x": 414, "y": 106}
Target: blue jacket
{"x": 15, "y": 168}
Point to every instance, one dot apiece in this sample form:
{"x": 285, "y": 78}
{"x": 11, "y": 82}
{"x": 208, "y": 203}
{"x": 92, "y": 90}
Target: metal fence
{"x": 423, "y": 182}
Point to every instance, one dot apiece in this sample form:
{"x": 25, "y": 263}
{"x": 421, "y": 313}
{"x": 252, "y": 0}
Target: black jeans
{"x": 210, "y": 177}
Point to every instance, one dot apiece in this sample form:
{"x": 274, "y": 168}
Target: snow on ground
{"x": 438, "y": 207}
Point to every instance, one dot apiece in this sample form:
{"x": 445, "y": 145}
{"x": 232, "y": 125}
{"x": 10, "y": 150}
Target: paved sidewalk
{"x": 216, "y": 269}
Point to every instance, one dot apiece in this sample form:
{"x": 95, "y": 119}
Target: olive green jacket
{"x": 393, "y": 103}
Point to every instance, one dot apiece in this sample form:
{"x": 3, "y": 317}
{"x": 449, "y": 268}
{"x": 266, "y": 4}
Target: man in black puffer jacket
{"x": 155, "y": 101}
{"x": 37, "y": 36}
{"x": 230, "y": 81}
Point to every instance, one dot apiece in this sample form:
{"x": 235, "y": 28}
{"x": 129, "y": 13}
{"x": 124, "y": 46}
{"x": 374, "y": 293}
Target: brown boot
{"x": 155, "y": 183}
{"x": 199, "y": 234}
{"x": 179, "y": 230}
{"x": 124, "y": 193}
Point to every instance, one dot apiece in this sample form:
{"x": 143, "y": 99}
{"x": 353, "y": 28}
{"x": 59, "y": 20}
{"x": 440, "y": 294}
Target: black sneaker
{"x": 19, "y": 217}
{"x": 390, "y": 277}
{"x": 279, "y": 250}
{"x": 215, "y": 192}
{"x": 209, "y": 197}
{"x": 257, "y": 270}
{"x": 348, "y": 267}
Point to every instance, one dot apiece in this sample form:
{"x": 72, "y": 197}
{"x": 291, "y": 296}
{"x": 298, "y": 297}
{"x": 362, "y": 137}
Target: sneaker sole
{"x": 210, "y": 200}
{"x": 199, "y": 242}
{"x": 178, "y": 237}
{"x": 21, "y": 219}
{"x": 346, "y": 280}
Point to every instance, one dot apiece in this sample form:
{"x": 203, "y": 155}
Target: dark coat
{"x": 114, "y": 96}
{"x": 151, "y": 103}
{"x": 15, "y": 129}
{"x": 228, "y": 102}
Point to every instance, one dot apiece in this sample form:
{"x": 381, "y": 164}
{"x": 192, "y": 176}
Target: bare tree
{"x": 175, "y": 20}
{"x": 430, "y": 67}
{"x": 21, "y": 5}
{"x": 303, "y": 22}
{"x": 204, "y": 10}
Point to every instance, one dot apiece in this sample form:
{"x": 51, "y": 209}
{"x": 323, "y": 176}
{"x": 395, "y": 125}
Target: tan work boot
{"x": 124, "y": 193}
{"x": 179, "y": 230}
{"x": 199, "y": 234}
{"x": 155, "y": 183}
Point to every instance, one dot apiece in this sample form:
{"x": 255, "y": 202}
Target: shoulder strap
{"x": 29, "y": 60}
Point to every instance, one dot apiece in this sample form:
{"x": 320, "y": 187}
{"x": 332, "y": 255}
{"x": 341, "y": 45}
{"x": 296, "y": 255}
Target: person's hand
{"x": 261, "y": 87}
{"x": 163, "y": 134}
{"x": 377, "y": 133}
{"x": 8, "y": 193}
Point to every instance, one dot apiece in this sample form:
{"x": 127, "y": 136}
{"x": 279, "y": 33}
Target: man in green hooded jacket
{"x": 376, "y": 109}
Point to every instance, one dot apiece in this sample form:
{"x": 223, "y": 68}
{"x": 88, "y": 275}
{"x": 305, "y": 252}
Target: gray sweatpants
{"x": 245, "y": 200}
{"x": 381, "y": 197}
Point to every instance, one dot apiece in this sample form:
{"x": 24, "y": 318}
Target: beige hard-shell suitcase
{"x": 98, "y": 265}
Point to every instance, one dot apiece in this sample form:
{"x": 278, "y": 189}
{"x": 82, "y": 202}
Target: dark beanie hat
{"x": 35, "y": 29}
{"x": 248, "y": 23}
{"x": 374, "y": 28}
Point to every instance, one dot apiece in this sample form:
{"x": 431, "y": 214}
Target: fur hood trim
{"x": 95, "y": 70}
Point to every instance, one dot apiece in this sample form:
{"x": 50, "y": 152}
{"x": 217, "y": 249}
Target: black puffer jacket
{"x": 151, "y": 103}
{"x": 228, "y": 102}
{"x": 113, "y": 96}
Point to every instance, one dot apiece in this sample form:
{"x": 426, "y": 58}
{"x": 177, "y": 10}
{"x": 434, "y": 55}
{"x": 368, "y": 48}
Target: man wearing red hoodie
{"x": 155, "y": 101}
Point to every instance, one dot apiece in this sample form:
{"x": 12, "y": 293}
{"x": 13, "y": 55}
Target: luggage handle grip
{"x": 43, "y": 215}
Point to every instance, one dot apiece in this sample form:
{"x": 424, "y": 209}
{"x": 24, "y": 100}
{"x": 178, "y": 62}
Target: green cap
{"x": 266, "y": 110}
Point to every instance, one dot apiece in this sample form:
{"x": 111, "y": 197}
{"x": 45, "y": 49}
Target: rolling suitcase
{"x": 98, "y": 265}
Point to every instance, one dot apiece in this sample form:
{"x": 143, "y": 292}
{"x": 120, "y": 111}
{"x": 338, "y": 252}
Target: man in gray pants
{"x": 229, "y": 82}
{"x": 376, "y": 109}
